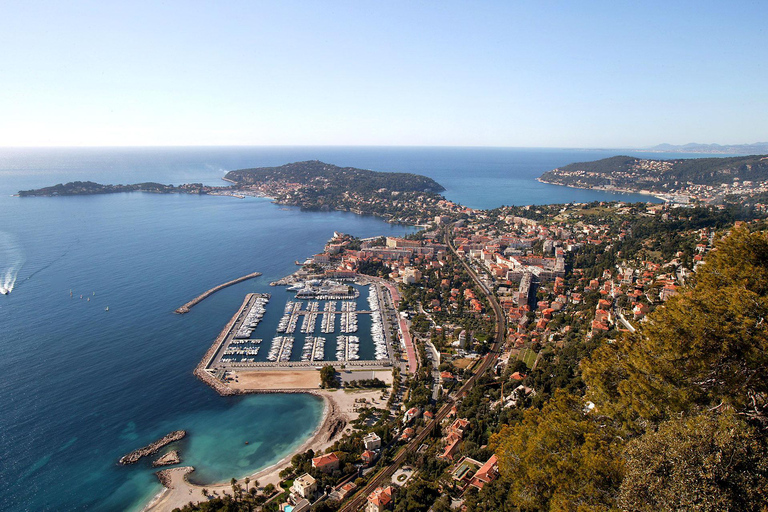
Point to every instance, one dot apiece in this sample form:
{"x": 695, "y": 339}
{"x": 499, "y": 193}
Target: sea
{"x": 81, "y": 385}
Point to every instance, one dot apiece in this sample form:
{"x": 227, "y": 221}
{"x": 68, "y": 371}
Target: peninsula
{"x": 708, "y": 180}
{"x": 312, "y": 185}
{"x": 85, "y": 188}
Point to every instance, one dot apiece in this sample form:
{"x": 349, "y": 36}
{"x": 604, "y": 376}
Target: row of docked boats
{"x": 377, "y": 328}
{"x": 328, "y": 323}
{"x": 290, "y": 317}
{"x": 281, "y": 348}
{"x": 254, "y": 341}
{"x": 241, "y": 360}
{"x": 349, "y": 316}
{"x": 347, "y": 348}
{"x": 253, "y": 317}
{"x": 242, "y": 351}
{"x": 310, "y": 318}
{"x": 314, "y": 349}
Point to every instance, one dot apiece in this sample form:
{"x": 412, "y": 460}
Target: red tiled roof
{"x": 486, "y": 474}
{"x": 381, "y": 497}
{"x": 324, "y": 460}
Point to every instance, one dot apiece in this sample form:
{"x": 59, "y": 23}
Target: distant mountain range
{"x": 758, "y": 148}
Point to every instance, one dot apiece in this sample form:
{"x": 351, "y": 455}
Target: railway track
{"x": 358, "y": 500}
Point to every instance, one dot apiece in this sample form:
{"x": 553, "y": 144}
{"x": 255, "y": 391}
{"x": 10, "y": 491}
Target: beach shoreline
{"x": 602, "y": 189}
{"x": 338, "y": 412}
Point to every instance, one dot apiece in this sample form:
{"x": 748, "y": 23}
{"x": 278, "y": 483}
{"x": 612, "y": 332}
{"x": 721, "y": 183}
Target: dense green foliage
{"x": 559, "y": 458}
{"x": 328, "y": 377}
{"x": 706, "y": 462}
{"x": 679, "y": 419}
{"x": 625, "y": 171}
{"x": 79, "y": 188}
{"x": 417, "y": 497}
{"x": 707, "y": 347}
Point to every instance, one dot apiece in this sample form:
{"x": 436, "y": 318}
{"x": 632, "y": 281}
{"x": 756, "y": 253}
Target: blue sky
{"x": 507, "y": 73}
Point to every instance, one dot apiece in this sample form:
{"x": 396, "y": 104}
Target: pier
{"x": 203, "y": 370}
{"x": 186, "y": 307}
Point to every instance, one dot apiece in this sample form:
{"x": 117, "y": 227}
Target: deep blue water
{"x": 81, "y": 386}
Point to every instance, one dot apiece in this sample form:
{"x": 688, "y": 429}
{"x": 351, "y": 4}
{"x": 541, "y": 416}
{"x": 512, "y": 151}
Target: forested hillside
{"x": 660, "y": 175}
{"x": 674, "y": 417}
{"x": 328, "y": 176}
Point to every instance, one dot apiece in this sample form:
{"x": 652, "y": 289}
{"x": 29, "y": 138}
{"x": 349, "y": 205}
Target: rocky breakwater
{"x": 168, "y": 459}
{"x": 152, "y": 448}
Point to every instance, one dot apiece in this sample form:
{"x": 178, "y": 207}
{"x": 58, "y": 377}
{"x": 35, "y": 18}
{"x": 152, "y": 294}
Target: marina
{"x": 304, "y": 334}
{"x": 253, "y": 317}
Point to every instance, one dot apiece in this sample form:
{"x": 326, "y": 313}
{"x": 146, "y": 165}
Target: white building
{"x": 304, "y": 486}
{"x": 372, "y": 441}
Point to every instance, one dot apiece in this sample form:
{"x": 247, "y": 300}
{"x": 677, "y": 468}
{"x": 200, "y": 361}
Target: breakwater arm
{"x": 202, "y": 370}
{"x": 151, "y": 448}
{"x": 186, "y": 307}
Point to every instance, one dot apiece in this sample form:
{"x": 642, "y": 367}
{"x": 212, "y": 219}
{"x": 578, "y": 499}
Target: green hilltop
{"x": 331, "y": 177}
{"x": 659, "y": 175}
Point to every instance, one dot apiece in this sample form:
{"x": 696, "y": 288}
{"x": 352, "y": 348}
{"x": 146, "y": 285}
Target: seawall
{"x": 186, "y": 307}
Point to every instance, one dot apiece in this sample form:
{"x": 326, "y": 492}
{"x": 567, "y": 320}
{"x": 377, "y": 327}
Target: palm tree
{"x": 233, "y": 482}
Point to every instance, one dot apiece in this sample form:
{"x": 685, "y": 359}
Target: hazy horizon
{"x": 192, "y": 146}
{"x": 342, "y": 73}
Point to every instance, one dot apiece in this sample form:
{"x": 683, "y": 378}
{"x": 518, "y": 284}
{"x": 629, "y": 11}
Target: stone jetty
{"x": 169, "y": 458}
{"x": 152, "y": 448}
{"x": 186, "y": 307}
{"x": 164, "y": 475}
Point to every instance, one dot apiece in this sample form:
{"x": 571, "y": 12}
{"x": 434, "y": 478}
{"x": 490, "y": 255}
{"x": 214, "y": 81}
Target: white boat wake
{"x": 11, "y": 261}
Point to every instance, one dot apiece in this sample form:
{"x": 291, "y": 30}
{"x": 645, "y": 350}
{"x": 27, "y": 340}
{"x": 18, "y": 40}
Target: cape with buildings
{"x": 711, "y": 180}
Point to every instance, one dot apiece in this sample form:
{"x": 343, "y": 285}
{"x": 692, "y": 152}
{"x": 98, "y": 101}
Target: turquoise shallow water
{"x": 80, "y": 386}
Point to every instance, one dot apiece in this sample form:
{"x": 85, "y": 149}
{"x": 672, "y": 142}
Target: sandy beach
{"x": 339, "y": 411}
{"x": 275, "y": 380}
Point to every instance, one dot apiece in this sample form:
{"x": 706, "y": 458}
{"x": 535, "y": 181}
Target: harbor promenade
{"x": 410, "y": 349}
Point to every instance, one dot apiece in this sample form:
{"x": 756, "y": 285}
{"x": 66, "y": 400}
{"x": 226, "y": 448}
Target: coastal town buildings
{"x": 326, "y": 463}
{"x": 380, "y": 499}
{"x": 372, "y": 441}
{"x": 304, "y": 486}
